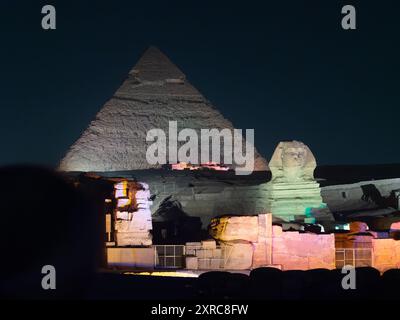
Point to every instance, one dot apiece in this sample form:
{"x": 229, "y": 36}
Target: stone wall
{"x": 133, "y": 220}
{"x": 207, "y": 194}
{"x": 302, "y": 251}
{"x": 229, "y": 255}
{"x": 237, "y": 254}
{"x": 235, "y": 228}
{"x": 204, "y": 255}
{"x": 386, "y": 254}
{"x": 131, "y": 257}
{"x": 271, "y": 246}
{"x": 349, "y": 196}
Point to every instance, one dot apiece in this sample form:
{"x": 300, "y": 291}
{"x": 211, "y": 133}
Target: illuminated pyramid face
{"x": 155, "y": 93}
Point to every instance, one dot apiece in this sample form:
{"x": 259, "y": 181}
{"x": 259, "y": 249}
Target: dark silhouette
{"x": 171, "y": 225}
{"x": 46, "y": 221}
{"x": 371, "y": 193}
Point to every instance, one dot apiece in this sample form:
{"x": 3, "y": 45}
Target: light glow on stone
{"x": 123, "y": 202}
{"x": 164, "y": 274}
{"x": 121, "y": 189}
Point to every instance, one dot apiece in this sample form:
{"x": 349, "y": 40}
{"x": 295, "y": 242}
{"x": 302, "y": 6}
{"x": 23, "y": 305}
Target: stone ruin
{"x": 132, "y": 215}
{"x": 248, "y": 242}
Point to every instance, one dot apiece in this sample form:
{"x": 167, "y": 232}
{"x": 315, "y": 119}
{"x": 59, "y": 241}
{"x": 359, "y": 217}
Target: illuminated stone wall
{"x": 208, "y": 194}
{"x": 272, "y": 246}
{"x": 302, "y": 251}
{"x": 131, "y": 257}
{"x": 386, "y": 254}
{"x": 133, "y": 220}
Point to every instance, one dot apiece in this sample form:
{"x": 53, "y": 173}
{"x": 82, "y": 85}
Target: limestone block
{"x": 131, "y": 257}
{"x": 317, "y": 248}
{"x": 297, "y": 246}
{"x": 192, "y": 263}
{"x": 133, "y": 238}
{"x": 209, "y": 253}
{"x": 264, "y": 227}
{"x": 204, "y": 253}
{"x": 192, "y": 247}
{"x": 122, "y": 225}
{"x": 132, "y": 226}
{"x": 201, "y": 253}
{"x": 385, "y": 254}
{"x": 216, "y": 253}
{"x": 238, "y": 255}
{"x": 329, "y": 257}
{"x": 291, "y": 262}
{"x": 303, "y": 251}
{"x": 395, "y": 226}
{"x": 143, "y": 205}
{"x": 124, "y": 215}
{"x": 190, "y": 252}
{"x": 277, "y": 231}
{"x": 291, "y": 235}
{"x": 279, "y": 245}
{"x": 123, "y": 202}
{"x": 260, "y": 255}
{"x": 142, "y": 194}
{"x": 141, "y": 220}
{"x": 235, "y": 228}
{"x": 193, "y": 244}
{"x": 209, "y": 244}
{"x": 215, "y": 263}
{"x": 204, "y": 263}
{"x": 384, "y": 260}
{"x": 144, "y": 201}
{"x": 326, "y": 262}
{"x": 384, "y": 251}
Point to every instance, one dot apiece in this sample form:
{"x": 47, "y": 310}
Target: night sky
{"x": 285, "y": 68}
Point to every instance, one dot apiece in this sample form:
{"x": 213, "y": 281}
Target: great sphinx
{"x": 293, "y": 192}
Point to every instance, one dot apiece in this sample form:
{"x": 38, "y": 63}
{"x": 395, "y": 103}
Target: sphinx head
{"x": 292, "y": 161}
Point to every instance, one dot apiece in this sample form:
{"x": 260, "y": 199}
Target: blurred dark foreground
{"x": 46, "y": 220}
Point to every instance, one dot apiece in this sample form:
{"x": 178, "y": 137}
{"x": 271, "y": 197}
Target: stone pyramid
{"x": 154, "y": 93}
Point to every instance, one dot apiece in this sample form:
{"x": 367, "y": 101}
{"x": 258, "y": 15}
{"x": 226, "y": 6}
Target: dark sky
{"x": 285, "y": 68}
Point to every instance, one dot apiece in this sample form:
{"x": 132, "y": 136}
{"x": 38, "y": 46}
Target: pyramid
{"x": 154, "y": 93}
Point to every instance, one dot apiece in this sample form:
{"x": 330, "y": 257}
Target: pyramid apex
{"x": 150, "y": 50}
{"x": 154, "y": 65}
{"x": 152, "y": 47}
